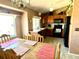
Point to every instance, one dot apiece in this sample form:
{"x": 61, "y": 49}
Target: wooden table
{"x": 31, "y": 54}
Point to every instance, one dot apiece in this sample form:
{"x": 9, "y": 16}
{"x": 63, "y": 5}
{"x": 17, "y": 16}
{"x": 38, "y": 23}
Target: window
{"x": 7, "y": 24}
{"x": 36, "y": 24}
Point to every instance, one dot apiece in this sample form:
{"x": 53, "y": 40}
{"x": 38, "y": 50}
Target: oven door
{"x": 57, "y": 31}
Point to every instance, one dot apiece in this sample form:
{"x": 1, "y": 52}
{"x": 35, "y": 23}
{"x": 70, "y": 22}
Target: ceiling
{"x": 43, "y": 6}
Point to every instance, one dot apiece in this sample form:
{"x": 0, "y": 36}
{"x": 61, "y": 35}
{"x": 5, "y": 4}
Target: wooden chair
{"x": 10, "y": 54}
{"x": 33, "y": 33}
{"x": 57, "y": 51}
{"x": 5, "y": 38}
{"x": 2, "y": 54}
{"x": 37, "y": 37}
{"x": 27, "y": 36}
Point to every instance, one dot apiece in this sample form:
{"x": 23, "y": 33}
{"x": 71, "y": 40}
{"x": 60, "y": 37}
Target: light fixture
{"x": 20, "y": 3}
{"x": 51, "y": 9}
{"x": 70, "y": 5}
{"x": 39, "y": 13}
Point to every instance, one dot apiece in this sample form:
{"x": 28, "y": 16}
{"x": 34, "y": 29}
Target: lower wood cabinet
{"x": 49, "y": 32}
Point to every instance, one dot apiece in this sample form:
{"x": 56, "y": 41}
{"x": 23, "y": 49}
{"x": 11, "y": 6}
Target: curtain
{"x": 7, "y": 24}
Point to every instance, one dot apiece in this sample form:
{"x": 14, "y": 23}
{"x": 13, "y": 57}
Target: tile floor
{"x": 64, "y": 51}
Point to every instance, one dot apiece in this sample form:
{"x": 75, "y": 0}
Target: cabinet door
{"x": 44, "y": 21}
{"x": 50, "y": 19}
{"x": 49, "y": 32}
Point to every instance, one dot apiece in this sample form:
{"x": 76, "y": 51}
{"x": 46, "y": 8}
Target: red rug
{"x": 46, "y": 52}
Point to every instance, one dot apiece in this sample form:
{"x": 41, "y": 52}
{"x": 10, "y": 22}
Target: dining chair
{"x": 10, "y": 54}
{"x": 57, "y": 51}
{"x": 5, "y": 38}
{"x": 39, "y": 38}
{"x": 36, "y": 36}
{"x": 33, "y": 33}
{"x": 2, "y": 54}
{"x": 28, "y": 37}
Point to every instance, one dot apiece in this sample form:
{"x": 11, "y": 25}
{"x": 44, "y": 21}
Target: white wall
{"x": 25, "y": 23}
{"x": 74, "y": 35}
{"x": 27, "y": 13}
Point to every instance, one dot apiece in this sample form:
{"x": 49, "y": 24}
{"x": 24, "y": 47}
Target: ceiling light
{"x": 51, "y": 9}
{"x": 39, "y": 13}
{"x": 20, "y": 3}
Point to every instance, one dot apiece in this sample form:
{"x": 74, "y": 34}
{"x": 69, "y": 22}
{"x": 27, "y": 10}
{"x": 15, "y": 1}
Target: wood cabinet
{"x": 52, "y": 18}
{"x": 44, "y": 19}
{"x": 46, "y": 32}
{"x": 62, "y": 32}
{"x": 49, "y": 32}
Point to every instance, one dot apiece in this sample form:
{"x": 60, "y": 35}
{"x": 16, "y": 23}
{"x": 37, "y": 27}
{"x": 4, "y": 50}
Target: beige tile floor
{"x": 64, "y": 51}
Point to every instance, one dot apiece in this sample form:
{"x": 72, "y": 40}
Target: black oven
{"x": 57, "y": 31}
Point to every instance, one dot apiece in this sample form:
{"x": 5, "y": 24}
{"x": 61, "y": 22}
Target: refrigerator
{"x": 66, "y": 31}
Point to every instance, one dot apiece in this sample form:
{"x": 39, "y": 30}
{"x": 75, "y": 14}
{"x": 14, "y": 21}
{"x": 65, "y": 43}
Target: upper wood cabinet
{"x": 44, "y": 20}
{"x": 48, "y": 19}
{"x": 52, "y": 18}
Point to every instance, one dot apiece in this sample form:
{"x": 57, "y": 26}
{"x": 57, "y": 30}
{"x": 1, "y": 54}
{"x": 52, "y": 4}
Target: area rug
{"x": 46, "y": 52}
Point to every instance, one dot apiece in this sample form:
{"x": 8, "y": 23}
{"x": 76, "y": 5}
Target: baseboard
{"x": 73, "y": 54}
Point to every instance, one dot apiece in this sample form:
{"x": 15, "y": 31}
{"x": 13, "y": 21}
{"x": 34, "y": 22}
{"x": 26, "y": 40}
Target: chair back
{"x": 8, "y": 54}
{"x": 2, "y": 54}
{"x": 5, "y": 38}
{"x": 27, "y": 37}
{"x": 57, "y": 51}
{"x": 37, "y": 37}
{"x": 33, "y": 33}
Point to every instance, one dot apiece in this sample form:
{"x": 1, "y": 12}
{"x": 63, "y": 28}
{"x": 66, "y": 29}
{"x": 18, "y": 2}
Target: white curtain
{"x": 7, "y": 24}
